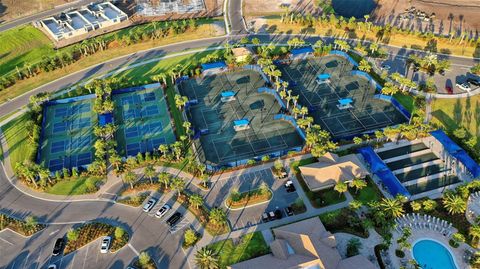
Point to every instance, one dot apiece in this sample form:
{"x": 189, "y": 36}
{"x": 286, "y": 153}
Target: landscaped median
{"x": 26, "y": 227}
{"x": 86, "y": 233}
{"x": 237, "y": 200}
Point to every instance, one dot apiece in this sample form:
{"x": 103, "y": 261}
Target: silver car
{"x": 162, "y": 211}
{"x": 149, "y": 205}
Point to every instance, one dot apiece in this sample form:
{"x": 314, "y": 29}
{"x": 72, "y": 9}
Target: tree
{"x": 150, "y": 172}
{"x": 474, "y": 232}
{"x": 357, "y": 140}
{"x": 429, "y": 205}
{"x": 217, "y": 216}
{"x": 130, "y": 177}
{"x": 390, "y": 89}
{"x": 72, "y": 235}
{"x": 119, "y": 232}
{"x": 355, "y": 204}
{"x": 318, "y": 141}
{"x": 196, "y": 200}
{"x": 115, "y": 160}
{"x": 31, "y": 222}
{"x": 353, "y": 247}
{"x": 144, "y": 259}
{"x": 341, "y": 187}
{"x": 364, "y": 66}
{"x": 458, "y": 238}
{"x": 164, "y": 178}
{"x": 206, "y": 258}
{"x": 278, "y": 165}
{"x": 454, "y": 204}
{"x": 416, "y": 206}
{"x": 190, "y": 237}
{"x": 392, "y": 207}
{"x": 178, "y": 184}
{"x": 358, "y": 184}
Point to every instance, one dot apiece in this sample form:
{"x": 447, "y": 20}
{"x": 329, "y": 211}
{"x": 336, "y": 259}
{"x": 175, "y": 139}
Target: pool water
{"x": 353, "y": 8}
{"x": 432, "y": 255}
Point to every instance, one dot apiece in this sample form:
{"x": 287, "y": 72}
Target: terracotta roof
{"x": 331, "y": 169}
{"x": 357, "y": 262}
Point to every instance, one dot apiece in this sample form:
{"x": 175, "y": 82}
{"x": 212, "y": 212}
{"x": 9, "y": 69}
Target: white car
{"x": 162, "y": 211}
{"x": 386, "y": 67}
{"x": 464, "y": 86}
{"x": 52, "y": 266}
{"x": 149, "y": 205}
{"x": 105, "y": 244}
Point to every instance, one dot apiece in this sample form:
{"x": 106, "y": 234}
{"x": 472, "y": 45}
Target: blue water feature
{"x": 353, "y": 8}
{"x": 430, "y": 254}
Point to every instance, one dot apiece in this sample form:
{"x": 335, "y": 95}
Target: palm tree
{"x": 178, "y": 184}
{"x": 206, "y": 258}
{"x": 130, "y": 177}
{"x": 165, "y": 178}
{"x": 150, "y": 172}
{"x": 355, "y": 204}
{"x": 392, "y": 207}
{"x": 474, "y": 232}
{"x": 115, "y": 160}
{"x": 454, "y": 204}
{"x": 163, "y": 148}
{"x": 358, "y": 184}
{"x": 340, "y": 187}
{"x": 217, "y": 216}
{"x": 196, "y": 200}
{"x": 364, "y": 66}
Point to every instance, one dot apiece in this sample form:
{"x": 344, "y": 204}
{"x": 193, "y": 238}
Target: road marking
{"x": 56, "y": 231}
{"x": 133, "y": 249}
{"x": 85, "y": 258}
{"x": 6, "y": 241}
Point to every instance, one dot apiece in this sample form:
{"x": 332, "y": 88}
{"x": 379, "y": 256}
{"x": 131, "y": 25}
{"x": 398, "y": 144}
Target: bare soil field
{"x": 264, "y": 7}
{"x": 450, "y": 15}
{"x": 14, "y": 9}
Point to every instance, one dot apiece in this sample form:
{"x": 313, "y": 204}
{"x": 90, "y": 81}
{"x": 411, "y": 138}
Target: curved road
{"x": 148, "y": 233}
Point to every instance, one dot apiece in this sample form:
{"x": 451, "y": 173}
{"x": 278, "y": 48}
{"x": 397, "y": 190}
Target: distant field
{"x": 14, "y": 9}
{"x": 22, "y": 45}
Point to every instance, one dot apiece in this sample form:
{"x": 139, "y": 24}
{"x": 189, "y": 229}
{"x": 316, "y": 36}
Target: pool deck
{"x": 457, "y": 253}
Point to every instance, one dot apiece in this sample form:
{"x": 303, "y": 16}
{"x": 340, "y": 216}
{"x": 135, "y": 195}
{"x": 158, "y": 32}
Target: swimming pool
{"x": 431, "y": 254}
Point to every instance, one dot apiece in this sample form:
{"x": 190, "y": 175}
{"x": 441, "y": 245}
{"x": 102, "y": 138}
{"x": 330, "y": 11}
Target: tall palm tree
{"x": 474, "y": 232}
{"x": 340, "y": 187}
{"x": 178, "y": 184}
{"x": 217, "y": 216}
{"x": 196, "y": 200}
{"x": 392, "y": 207}
{"x": 358, "y": 184}
{"x": 454, "y": 204}
{"x": 150, "y": 172}
{"x": 163, "y": 148}
{"x": 206, "y": 258}
{"x": 130, "y": 177}
{"x": 165, "y": 178}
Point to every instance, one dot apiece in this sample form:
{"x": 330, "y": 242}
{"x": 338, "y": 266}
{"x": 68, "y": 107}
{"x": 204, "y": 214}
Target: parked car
{"x": 58, "y": 247}
{"x": 174, "y": 219}
{"x": 278, "y": 214}
{"x": 265, "y": 217}
{"x": 289, "y": 186}
{"x": 271, "y": 215}
{"x": 449, "y": 89}
{"x": 162, "y": 211}
{"x": 464, "y": 86}
{"x": 52, "y": 266}
{"x": 150, "y": 204}
{"x": 105, "y": 244}
{"x": 289, "y": 211}
{"x": 474, "y": 81}
{"x": 386, "y": 67}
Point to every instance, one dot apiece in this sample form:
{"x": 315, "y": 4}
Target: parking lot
{"x": 250, "y": 216}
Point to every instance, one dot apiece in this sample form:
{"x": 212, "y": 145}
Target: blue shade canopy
{"x": 323, "y": 76}
{"x": 345, "y": 101}
{"x": 228, "y": 94}
{"x": 301, "y": 50}
{"x": 457, "y": 152}
{"x": 214, "y": 65}
{"x": 240, "y": 122}
{"x": 104, "y": 119}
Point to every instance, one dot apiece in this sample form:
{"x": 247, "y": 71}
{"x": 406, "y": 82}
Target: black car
{"x": 58, "y": 247}
{"x": 271, "y": 215}
{"x": 289, "y": 211}
{"x": 278, "y": 214}
{"x": 174, "y": 218}
{"x": 289, "y": 186}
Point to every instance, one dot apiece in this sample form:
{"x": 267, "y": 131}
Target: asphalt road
{"x": 37, "y": 16}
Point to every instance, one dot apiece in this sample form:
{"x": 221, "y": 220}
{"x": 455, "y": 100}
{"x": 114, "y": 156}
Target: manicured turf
{"x": 368, "y": 194}
{"x": 250, "y": 246}
{"x": 16, "y": 134}
{"x": 22, "y": 45}
{"x": 405, "y": 100}
{"x": 71, "y": 186}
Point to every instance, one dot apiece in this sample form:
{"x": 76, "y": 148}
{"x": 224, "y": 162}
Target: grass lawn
{"x": 368, "y": 194}
{"x": 249, "y": 246}
{"x": 22, "y": 45}
{"x": 203, "y": 31}
{"x": 405, "y": 100}
{"x": 16, "y": 134}
{"x": 71, "y": 186}
{"x": 320, "y": 198}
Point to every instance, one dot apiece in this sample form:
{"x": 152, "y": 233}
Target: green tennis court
{"x": 143, "y": 119}
{"x": 67, "y": 135}
{"x": 322, "y": 99}
{"x": 241, "y": 128}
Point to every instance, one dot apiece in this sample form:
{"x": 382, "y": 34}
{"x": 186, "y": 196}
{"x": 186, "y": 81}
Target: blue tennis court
{"x": 143, "y": 119}
{"x": 57, "y": 146}
{"x": 80, "y": 123}
{"x": 61, "y": 112}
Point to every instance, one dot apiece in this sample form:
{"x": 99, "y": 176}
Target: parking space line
{"x": 133, "y": 249}
{"x": 86, "y": 255}
{"x": 6, "y": 241}
{"x": 73, "y": 261}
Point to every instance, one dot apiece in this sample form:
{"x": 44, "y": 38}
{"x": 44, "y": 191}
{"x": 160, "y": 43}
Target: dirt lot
{"x": 12, "y": 9}
{"x": 451, "y": 15}
{"x": 263, "y": 7}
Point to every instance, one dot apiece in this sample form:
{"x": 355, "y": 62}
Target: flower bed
{"x": 249, "y": 198}
{"x": 134, "y": 201}
{"x": 19, "y": 226}
{"x": 91, "y": 231}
